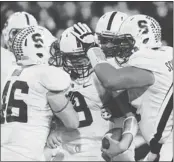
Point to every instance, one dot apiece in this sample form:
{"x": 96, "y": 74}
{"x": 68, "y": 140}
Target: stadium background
{"x": 57, "y": 16}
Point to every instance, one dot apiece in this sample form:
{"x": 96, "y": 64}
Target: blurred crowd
{"x": 57, "y": 16}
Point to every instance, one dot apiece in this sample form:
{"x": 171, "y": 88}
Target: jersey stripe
{"x": 167, "y": 105}
{"x": 28, "y": 21}
{"x": 110, "y": 20}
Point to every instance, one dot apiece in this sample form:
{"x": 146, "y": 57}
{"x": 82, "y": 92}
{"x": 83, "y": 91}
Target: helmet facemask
{"x": 125, "y": 47}
{"x": 11, "y": 37}
{"x": 77, "y": 65}
{"x": 118, "y": 46}
{"x": 56, "y": 55}
{"x": 106, "y": 44}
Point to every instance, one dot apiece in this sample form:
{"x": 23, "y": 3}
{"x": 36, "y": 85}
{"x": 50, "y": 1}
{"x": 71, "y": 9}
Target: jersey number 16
{"x": 12, "y": 103}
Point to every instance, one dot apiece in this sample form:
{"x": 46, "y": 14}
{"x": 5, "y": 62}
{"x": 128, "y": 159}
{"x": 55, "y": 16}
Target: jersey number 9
{"x": 78, "y": 100}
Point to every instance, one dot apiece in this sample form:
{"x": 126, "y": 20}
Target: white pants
{"x": 10, "y": 154}
{"x": 22, "y": 142}
{"x": 87, "y": 153}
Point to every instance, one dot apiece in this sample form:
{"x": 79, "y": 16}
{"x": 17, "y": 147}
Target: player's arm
{"x": 63, "y": 108}
{"x": 57, "y": 82}
{"x": 110, "y": 78}
{"x": 130, "y": 129}
{"x": 118, "y": 79}
{"x": 112, "y": 147}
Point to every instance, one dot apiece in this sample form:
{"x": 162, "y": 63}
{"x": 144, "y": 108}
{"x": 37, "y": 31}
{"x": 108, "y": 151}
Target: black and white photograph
{"x": 86, "y": 81}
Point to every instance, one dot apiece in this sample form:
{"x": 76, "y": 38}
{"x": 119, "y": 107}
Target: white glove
{"x": 84, "y": 34}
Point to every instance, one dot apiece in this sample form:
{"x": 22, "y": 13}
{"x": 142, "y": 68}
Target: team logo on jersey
{"x": 84, "y": 86}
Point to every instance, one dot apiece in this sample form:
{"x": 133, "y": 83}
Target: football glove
{"x": 84, "y": 34}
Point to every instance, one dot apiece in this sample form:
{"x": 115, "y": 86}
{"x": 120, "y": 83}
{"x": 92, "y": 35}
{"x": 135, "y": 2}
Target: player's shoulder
{"x": 51, "y": 69}
{"x": 54, "y": 78}
{"x": 167, "y": 51}
{"x": 160, "y": 53}
{"x": 152, "y": 59}
{"x": 167, "y": 48}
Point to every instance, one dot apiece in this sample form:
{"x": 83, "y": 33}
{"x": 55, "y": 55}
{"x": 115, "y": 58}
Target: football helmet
{"x": 14, "y": 24}
{"x": 75, "y": 60}
{"x": 56, "y": 55}
{"x": 30, "y": 46}
{"x": 52, "y": 46}
{"x": 106, "y": 30}
{"x": 138, "y": 31}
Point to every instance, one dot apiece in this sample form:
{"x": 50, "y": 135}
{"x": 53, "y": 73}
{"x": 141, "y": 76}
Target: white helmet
{"x": 145, "y": 30}
{"x": 138, "y": 31}
{"x": 109, "y": 24}
{"x": 75, "y": 61}
{"x": 15, "y": 23}
{"x": 52, "y": 46}
{"x": 107, "y": 28}
{"x": 30, "y": 46}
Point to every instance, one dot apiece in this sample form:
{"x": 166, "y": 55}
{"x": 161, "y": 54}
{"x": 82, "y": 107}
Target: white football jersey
{"x": 149, "y": 100}
{"x": 89, "y": 136}
{"x": 89, "y": 91}
{"x": 27, "y": 114}
{"x": 8, "y": 63}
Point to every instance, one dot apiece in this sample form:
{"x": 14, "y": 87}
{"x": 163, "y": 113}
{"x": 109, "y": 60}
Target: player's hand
{"x": 53, "y": 140}
{"x": 84, "y": 34}
{"x": 111, "y": 149}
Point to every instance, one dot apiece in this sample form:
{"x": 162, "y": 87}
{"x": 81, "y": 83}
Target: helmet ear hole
{"x": 145, "y": 40}
{"x": 40, "y": 55}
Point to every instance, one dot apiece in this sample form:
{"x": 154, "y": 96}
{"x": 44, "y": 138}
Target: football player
{"x": 148, "y": 78}
{"x": 13, "y": 25}
{"x": 7, "y": 64}
{"x": 106, "y": 32}
{"x": 33, "y": 92}
{"x": 84, "y": 143}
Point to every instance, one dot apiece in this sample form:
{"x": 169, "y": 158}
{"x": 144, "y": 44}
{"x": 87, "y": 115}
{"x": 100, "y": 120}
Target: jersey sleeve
{"x": 55, "y": 79}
